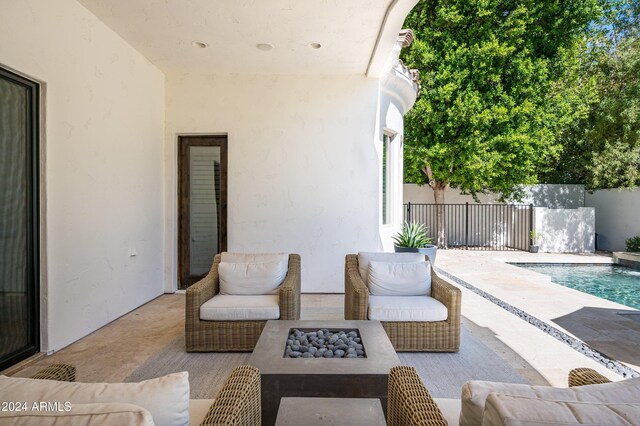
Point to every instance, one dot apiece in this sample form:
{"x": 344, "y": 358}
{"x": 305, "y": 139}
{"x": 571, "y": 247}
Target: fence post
{"x": 530, "y": 225}
{"x": 409, "y": 212}
{"x": 466, "y": 226}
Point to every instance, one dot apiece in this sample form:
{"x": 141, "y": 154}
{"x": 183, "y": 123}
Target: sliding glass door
{"x": 19, "y": 275}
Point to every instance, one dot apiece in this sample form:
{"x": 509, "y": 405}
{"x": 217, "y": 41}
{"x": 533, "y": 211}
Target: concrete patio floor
{"x": 592, "y": 320}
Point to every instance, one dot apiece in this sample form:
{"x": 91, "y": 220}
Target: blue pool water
{"x": 611, "y": 282}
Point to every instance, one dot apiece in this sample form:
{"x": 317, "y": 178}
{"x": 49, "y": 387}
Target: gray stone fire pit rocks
{"x": 324, "y": 343}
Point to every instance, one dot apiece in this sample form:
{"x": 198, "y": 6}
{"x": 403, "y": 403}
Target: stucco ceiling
{"x": 163, "y": 31}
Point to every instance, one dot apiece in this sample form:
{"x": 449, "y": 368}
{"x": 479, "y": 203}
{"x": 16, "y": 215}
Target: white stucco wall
{"x": 565, "y": 230}
{"x": 553, "y": 196}
{"x": 303, "y": 165}
{"x": 103, "y": 168}
{"x": 616, "y": 216}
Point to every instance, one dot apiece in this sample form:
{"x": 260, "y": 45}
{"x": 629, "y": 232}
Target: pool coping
{"x": 630, "y": 260}
{"x": 549, "y": 329}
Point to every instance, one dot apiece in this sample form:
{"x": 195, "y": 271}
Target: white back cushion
{"x": 166, "y": 398}
{"x": 399, "y": 279}
{"x": 102, "y": 414}
{"x": 475, "y": 393}
{"x": 365, "y": 257}
{"x": 522, "y": 411}
{"x": 254, "y": 257}
{"x": 251, "y": 278}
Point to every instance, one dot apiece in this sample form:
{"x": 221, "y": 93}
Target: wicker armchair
{"x": 237, "y": 404}
{"x": 234, "y": 336}
{"x": 437, "y": 336}
{"x": 586, "y": 376}
{"x": 409, "y": 400}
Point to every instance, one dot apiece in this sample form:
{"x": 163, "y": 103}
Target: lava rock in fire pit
{"x": 324, "y": 343}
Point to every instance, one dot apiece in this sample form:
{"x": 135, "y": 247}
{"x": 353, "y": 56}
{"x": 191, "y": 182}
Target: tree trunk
{"x": 441, "y": 230}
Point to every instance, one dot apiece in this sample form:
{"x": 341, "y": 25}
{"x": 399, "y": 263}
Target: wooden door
{"x": 202, "y": 205}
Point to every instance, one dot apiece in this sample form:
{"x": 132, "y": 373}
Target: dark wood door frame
{"x": 184, "y": 142}
{"x": 32, "y": 233}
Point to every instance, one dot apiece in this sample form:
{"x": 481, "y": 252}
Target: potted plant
{"x": 533, "y": 248}
{"x": 413, "y": 238}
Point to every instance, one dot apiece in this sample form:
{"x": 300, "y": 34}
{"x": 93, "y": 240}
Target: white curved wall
{"x": 391, "y": 119}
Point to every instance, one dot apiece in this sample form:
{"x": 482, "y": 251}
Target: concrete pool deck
{"x": 590, "y": 319}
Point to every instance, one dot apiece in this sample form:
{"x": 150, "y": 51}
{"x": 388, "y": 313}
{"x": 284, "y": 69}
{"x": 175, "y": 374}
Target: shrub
{"x": 633, "y": 244}
{"x": 413, "y": 235}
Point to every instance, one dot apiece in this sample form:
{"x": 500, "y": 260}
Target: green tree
{"x": 602, "y": 148}
{"x": 489, "y": 105}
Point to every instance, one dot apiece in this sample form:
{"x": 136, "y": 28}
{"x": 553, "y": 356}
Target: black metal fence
{"x": 477, "y": 226}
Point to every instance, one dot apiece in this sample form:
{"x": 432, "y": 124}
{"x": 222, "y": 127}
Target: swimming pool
{"x": 612, "y": 282}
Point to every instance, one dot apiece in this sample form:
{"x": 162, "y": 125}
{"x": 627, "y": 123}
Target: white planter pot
{"x": 431, "y": 250}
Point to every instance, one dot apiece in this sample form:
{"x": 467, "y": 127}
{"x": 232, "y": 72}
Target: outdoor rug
{"x": 443, "y": 373}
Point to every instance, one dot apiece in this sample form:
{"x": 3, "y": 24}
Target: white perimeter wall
{"x": 617, "y": 216}
{"x": 553, "y": 196}
{"x": 303, "y": 173}
{"x": 103, "y": 173}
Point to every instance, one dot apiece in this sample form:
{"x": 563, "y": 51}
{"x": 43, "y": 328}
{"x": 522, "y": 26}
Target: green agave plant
{"x": 413, "y": 235}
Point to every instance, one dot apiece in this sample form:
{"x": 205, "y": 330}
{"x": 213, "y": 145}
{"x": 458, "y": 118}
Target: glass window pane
{"x": 14, "y": 219}
{"x": 204, "y": 196}
{"x": 386, "y": 189}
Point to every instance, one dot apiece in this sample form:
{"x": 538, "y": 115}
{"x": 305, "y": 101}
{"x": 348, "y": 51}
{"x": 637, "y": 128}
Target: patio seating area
{"x": 162, "y": 321}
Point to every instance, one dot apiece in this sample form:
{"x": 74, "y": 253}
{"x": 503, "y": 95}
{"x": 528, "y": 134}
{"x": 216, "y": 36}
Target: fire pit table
{"x": 285, "y": 375}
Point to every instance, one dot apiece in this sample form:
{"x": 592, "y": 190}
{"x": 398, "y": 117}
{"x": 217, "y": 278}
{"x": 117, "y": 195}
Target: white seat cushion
{"x": 240, "y": 308}
{"x": 255, "y": 278}
{"x": 166, "y": 398}
{"x": 406, "y": 308}
{"x": 365, "y": 257}
{"x": 505, "y": 410}
{"x": 450, "y": 409}
{"x": 198, "y": 409}
{"x": 399, "y": 279}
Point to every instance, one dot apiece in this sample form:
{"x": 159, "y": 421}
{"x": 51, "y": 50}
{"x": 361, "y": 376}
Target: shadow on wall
{"x": 555, "y": 196}
{"x": 565, "y": 230}
{"x": 609, "y": 331}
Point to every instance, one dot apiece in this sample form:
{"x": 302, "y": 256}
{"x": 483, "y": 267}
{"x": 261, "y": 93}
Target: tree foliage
{"x": 490, "y": 104}
{"x": 602, "y": 148}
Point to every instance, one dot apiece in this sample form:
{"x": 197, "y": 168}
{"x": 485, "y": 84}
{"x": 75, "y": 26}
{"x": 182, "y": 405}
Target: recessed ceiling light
{"x": 199, "y": 44}
{"x": 315, "y": 45}
{"x": 264, "y": 46}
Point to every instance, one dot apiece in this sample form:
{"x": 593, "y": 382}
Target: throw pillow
{"x": 399, "y": 279}
{"x": 166, "y": 398}
{"x": 365, "y": 257}
{"x": 251, "y": 278}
